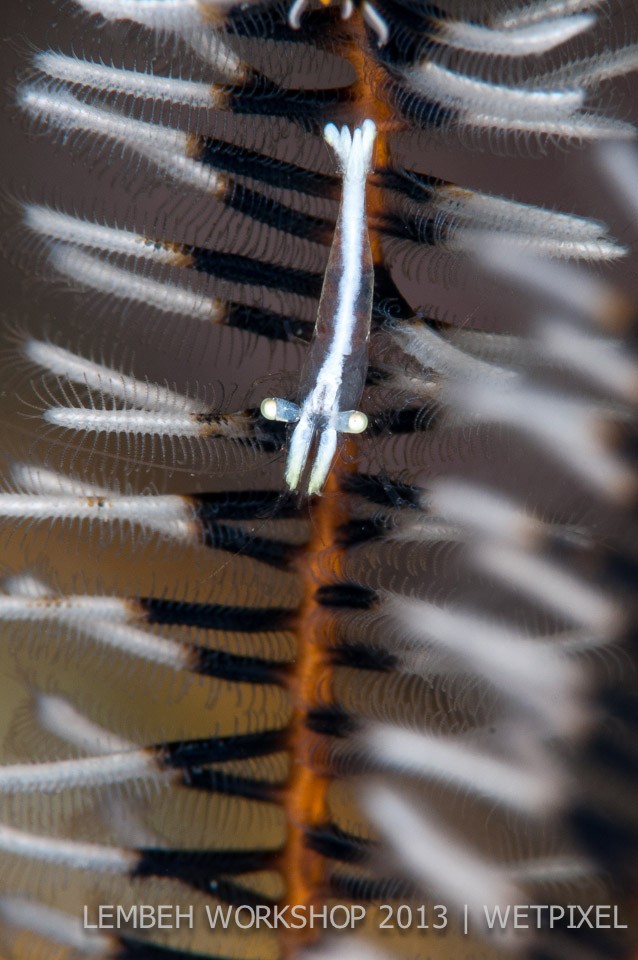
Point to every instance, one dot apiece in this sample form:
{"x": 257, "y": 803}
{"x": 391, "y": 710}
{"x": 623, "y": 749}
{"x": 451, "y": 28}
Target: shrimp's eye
{"x": 284, "y": 411}
{"x": 352, "y": 421}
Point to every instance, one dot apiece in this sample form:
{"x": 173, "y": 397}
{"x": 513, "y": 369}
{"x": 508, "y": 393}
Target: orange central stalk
{"x": 305, "y": 800}
{"x": 306, "y": 797}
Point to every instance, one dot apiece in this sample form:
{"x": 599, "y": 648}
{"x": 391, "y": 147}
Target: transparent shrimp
{"x": 334, "y": 374}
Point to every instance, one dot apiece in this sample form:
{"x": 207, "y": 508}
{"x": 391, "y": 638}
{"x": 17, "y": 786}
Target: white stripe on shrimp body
{"x": 334, "y": 373}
